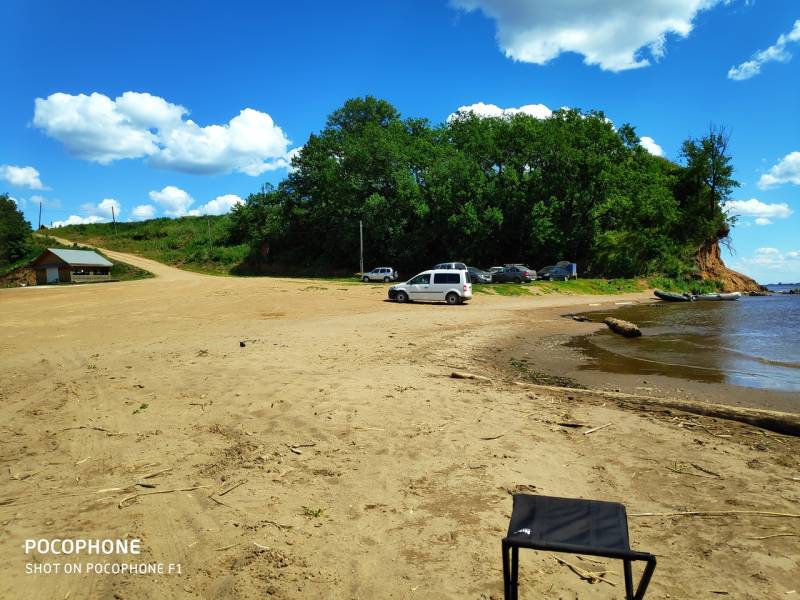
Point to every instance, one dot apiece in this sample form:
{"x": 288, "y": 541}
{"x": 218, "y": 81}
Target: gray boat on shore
{"x": 672, "y": 296}
{"x": 717, "y": 297}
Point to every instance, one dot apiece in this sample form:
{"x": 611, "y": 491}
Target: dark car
{"x": 477, "y": 275}
{"x": 559, "y": 272}
{"x": 515, "y": 273}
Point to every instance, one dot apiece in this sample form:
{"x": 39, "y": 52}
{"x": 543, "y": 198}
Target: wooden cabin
{"x": 60, "y": 265}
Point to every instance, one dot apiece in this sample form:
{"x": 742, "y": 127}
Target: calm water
{"x": 753, "y": 342}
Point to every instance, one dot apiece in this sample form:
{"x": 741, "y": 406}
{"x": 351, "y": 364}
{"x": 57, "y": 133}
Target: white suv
{"x": 437, "y": 285}
{"x": 380, "y": 274}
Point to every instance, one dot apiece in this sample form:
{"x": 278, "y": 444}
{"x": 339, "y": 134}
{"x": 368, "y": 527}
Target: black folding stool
{"x": 590, "y": 527}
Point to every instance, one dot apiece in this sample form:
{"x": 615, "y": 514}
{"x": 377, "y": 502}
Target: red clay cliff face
{"x": 710, "y": 265}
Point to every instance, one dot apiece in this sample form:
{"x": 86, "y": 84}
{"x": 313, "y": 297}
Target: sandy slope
{"x": 390, "y": 491}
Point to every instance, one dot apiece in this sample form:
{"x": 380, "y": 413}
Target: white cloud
{"x": 173, "y": 200}
{"x": 148, "y": 111}
{"x": 103, "y": 209}
{"x": 46, "y": 202}
{"x": 136, "y": 125}
{"x": 786, "y": 171}
{"x": 218, "y": 206}
{"x": 250, "y": 143}
{"x": 650, "y": 145}
{"x": 479, "y": 109}
{"x": 773, "y": 259}
{"x": 22, "y": 177}
{"x": 775, "y": 53}
{"x": 143, "y": 212}
{"x": 20, "y": 202}
{"x": 92, "y": 128}
{"x": 761, "y": 212}
{"x": 613, "y": 34}
{"x": 76, "y": 220}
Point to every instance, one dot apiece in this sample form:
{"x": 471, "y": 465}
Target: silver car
{"x": 384, "y": 274}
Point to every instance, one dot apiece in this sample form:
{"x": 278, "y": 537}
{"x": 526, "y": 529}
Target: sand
{"x": 333, "y": 455}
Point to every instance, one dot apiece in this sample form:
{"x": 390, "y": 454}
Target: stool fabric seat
{"x": 578, "y": 526}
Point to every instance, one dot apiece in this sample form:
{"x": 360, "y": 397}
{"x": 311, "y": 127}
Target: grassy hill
{"x": 192, "y": 243}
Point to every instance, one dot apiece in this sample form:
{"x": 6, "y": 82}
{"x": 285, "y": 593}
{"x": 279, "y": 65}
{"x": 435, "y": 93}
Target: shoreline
{"x": 565, "y": 360}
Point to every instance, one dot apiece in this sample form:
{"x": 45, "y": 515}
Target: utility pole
{"x": 361, "y": 243}
{"x": 40, "y": 216}
{"x": 208, "y": 222}
{"x": 114, "y": 219}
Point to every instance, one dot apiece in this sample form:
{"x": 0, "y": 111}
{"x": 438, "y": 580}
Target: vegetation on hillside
{"x": 194, "y": 243}
{"x": 15, "y": 233}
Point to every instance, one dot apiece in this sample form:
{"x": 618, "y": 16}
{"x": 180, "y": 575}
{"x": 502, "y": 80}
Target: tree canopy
{"x": 15, "y": 231}
{"x": 488, "y": 191}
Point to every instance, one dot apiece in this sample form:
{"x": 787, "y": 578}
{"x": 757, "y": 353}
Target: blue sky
{"x": 169, "y": 108}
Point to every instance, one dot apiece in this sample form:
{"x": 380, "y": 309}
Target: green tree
{"x": 705, "y": 186}
{"x": 15, "y": 231}
{"x": 488, "y": 191}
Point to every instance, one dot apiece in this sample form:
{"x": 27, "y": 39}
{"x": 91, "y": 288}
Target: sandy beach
{"x": 332, "y": 455}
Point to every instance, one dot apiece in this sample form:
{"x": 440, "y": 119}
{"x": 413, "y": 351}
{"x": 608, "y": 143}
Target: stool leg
{"x": 506, "y": 573}
{"x": 514, "y": 572}
{"x": 628, "y": 580}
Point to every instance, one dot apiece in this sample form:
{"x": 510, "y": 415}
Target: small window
{"x": 447, "y": 278}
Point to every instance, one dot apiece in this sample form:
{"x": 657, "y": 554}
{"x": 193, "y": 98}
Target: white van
{"x": 436, "y": 285}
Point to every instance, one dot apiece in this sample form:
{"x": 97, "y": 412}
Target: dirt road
{"x": 332, "y": 456}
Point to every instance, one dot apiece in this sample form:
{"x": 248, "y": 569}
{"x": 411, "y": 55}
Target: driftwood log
{"x": 622, "y": 327}
{"x": 779, "y": 422}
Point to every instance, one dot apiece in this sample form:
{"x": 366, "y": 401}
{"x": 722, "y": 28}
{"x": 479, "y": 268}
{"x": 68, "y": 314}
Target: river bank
{"x": 559, "y": 350}
{"x": 333, "y": 455}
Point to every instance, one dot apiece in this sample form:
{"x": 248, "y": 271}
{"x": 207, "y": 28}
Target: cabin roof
{"x": 80, "y": 258}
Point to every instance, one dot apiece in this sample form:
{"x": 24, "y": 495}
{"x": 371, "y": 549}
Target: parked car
{"x": 515, "y": 273}
{"x": 477, "y": 275}
{"x": 558, "y": 272}
{"x": 436, "y": 285}
{"x": 380, "y": 274}
{"x": 451, "y": 266}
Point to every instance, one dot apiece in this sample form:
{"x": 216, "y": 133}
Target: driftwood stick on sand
{"x": 465, "y": 375}
{"x": 156, "y": 473}
{"x": 779, "y": 422}
{"x": 233, "y": 487}
{"x": 587, "y": 575}
{"x": 704, "y": 470}
{"x": 493, "y": 437}
{"x": 587, "y": 432}
{"x": 278, "y": 525}
{"x": 774, "y": 535}
{"x": 134, "y": 496}
{"x": 717, "y": 513}
{"x": 106, "y": 431}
